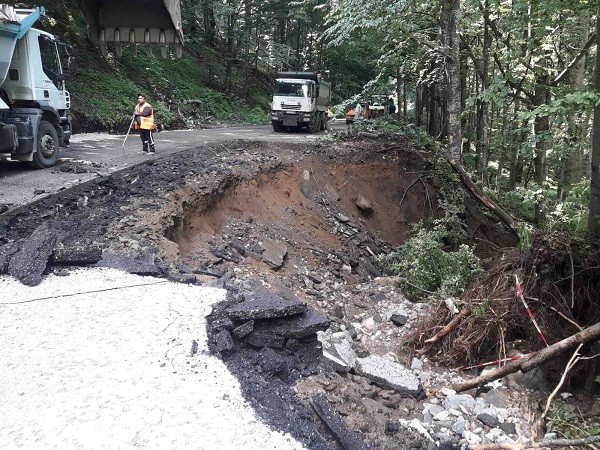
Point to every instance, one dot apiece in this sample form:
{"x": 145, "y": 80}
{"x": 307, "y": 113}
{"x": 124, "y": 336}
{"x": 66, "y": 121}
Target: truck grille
{"x": 295, "y": 107}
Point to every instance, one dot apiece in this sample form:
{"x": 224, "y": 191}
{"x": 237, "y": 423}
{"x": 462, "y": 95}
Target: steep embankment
{"x": 185, "y": 92}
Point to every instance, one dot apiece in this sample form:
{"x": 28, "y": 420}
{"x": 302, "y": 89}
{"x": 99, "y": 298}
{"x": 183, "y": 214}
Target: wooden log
{"x": 482, "y": 197}
{"x": 533, "y": 360}
{"x": 451, "y": 326}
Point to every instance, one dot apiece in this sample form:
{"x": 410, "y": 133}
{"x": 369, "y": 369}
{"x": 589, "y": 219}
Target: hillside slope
{"x": 185, "y": 92}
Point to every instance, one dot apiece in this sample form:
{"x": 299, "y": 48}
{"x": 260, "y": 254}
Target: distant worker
{"x": 144, "y": 121}
{"x": 391, "y": 106}
{"x": 358, "y": 112}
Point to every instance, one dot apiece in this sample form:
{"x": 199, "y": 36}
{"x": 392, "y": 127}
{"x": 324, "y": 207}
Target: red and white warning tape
{"x": 529, "y": 313}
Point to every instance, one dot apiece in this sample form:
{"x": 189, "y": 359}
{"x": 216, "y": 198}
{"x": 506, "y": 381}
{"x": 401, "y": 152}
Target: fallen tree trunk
{"x": 481, "y": 196}
{"x": 533, "y": 360}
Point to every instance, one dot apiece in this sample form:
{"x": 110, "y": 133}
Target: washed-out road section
{"x": 102, "y": 154}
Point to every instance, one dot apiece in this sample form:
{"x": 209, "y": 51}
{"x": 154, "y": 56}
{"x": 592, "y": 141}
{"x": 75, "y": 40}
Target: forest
{"x": 508, "y": 86}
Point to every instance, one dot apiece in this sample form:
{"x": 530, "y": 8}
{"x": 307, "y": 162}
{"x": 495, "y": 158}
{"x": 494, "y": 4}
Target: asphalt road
{"x": 20, "y": 185}
{"x": 101, "y": 359}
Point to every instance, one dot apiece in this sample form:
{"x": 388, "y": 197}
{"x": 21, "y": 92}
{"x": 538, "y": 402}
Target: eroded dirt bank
{"x": 301, "y": 221}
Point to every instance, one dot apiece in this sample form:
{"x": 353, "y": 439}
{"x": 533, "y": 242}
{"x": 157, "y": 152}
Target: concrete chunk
{"x": 265, "y": 306}
{"x": 337, "y": 350}
{"x": 389, "y": 374}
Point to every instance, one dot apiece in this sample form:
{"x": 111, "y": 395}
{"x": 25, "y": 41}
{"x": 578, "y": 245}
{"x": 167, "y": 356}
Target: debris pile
{"x": 268, "y": 320}
{"x": 554, "y": 286}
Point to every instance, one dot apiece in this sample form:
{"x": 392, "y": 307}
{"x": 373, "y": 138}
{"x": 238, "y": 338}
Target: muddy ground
{"x": 298, "y": 220}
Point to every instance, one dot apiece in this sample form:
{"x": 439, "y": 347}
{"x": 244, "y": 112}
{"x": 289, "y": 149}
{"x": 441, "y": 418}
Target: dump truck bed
{"x": 14, "y": 23}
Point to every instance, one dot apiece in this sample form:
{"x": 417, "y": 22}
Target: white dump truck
{"x": 34, "y": 102}
{"x": 300, "y": 100}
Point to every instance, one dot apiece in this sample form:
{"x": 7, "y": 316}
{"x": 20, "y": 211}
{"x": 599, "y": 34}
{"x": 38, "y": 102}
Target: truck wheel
{"x": 324, "y": 122}
{"x": 315, "y": 125}
{"x": 46, "y": 154}
{"x": 277, "y": 127}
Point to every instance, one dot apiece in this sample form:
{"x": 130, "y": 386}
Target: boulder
{"x": 364, "y": 205}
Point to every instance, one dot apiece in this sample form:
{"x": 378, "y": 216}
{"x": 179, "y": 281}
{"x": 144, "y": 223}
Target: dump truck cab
{"x": 300, "y": 100}
{"x": 34, "y": 102}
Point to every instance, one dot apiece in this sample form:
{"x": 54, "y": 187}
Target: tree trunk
{"x": 536, "y": 359}
{"x": 594, "y": 207}
{"x": 484, "y": 122}
{"x": 419, "y": 105}
{"x": 451, "y": 18}
{"x": 210, "y": 24}
{"x": 540, "y": 162}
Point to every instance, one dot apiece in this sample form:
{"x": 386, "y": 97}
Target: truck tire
{"x": 314, "y": 125}
{"x": 277, "y": 127}
{"x": 46, "y": 154}
{"x": 324, "y": 122}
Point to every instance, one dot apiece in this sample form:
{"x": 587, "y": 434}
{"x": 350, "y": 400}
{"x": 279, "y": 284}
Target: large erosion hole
{"x": 303, "y": 201}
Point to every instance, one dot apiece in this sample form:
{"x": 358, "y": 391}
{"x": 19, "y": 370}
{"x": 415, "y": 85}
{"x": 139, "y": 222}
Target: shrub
{"x": 425, "y": 268}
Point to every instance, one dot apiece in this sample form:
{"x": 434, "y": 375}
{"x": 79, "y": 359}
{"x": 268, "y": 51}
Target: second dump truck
{"x": 300, "y": 100}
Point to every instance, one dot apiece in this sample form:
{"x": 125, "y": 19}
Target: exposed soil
{"x": 207, "y": 216}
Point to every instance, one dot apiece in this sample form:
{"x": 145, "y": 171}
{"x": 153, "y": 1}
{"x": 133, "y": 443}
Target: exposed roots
{"x": 560, "y": 281}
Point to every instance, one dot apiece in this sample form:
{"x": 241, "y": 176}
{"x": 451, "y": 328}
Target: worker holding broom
{"x": 144, "y": 121}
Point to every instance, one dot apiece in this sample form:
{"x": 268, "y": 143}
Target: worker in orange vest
{"x": 144, "y": 121}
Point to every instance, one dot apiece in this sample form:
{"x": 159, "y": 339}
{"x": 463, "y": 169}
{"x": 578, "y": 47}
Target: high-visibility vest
{"x": 146, "y": 123}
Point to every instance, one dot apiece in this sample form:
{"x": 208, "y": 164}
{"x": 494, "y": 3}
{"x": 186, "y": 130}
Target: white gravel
{"x": 102, "y": 359}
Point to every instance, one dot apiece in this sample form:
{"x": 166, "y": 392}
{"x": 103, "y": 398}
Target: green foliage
{"x": 525, "y": 231}
{"x": 425, "y": 268}
{"x": 255, "y": 116}
{"x": 566, "y": 105}
{"x": 568, "y": 215}
{"x": 564, "y": 421}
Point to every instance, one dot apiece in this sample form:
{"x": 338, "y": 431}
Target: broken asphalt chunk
{"x": 244, "y": 329}
{"x": 76, "y": 253}
{"x": 224, "y": 342}
{"x": 30, "y": 261}
{"x": 265, "y": 306}
{"x": 348, "y": 439}
{"x": 261, "y": 340}
{"x": 297, "y": 326}
{"x": 140, "y": 265}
